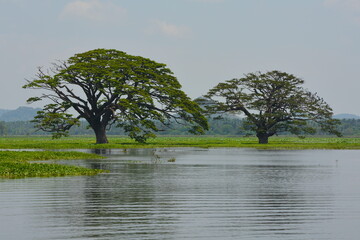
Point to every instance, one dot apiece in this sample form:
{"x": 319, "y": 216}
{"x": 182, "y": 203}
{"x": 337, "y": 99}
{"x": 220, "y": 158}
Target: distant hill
{"x": 346, "y": 116}
{"x": 19, "y": 114}
{"x": 3, "y": 111}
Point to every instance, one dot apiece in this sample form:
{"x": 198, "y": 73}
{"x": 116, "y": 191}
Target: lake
{"x": 191, "y": 193}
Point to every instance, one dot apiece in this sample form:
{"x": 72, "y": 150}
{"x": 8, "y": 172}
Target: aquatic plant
{"x": 15, "y": 164}
{"x": 15, "y": 169}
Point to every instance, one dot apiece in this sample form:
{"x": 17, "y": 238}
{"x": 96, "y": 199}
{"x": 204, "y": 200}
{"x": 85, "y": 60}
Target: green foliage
{"x": 107, "y": 87}
{"x": 15, "y": 164}
{"x": 23, "y": 169}
{"x": 350, "y": 127}
{"x": 55, "y": 121}
{"x": 44, "y": 155}
{"x": 272, "y": 102}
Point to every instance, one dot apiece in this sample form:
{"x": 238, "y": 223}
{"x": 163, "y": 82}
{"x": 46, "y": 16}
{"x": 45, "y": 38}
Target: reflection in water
{"x": 205, "y": 194}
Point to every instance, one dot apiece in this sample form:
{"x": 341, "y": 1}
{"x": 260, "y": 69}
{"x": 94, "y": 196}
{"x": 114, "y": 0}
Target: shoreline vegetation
{"x": 124, "y": 142}
{"x": 16, "y": 163}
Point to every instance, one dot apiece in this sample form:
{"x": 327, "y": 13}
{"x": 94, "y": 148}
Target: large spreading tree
{"x": 107, "y": 87}
{"x": 272, "y": 102}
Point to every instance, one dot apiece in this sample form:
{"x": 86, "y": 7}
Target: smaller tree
{"x": 272, "y": 102}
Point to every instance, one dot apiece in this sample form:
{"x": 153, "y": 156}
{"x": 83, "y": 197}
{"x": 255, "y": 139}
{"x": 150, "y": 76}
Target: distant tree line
{"x": 228, "y": 126}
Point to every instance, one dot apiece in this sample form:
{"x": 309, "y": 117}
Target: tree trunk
{"x": 100, "y": 132}
{"x": 263, "y": 138}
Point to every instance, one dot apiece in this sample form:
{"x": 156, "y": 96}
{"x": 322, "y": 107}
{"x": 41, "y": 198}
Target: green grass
{"x": 43, "y": 155}
{"x": 88, "y": 142}
{"x": 25, "y": 169}
{"x": 14, "y": 164}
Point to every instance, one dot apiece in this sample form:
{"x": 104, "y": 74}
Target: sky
{"x": 203, "y": 42}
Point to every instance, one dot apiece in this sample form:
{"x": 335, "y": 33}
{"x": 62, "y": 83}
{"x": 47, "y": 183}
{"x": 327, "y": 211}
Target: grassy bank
{"x": 14, "y": 164}
{"x": 87, "y": 142}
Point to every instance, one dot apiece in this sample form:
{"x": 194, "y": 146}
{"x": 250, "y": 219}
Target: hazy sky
{"x": 202, "y": 41}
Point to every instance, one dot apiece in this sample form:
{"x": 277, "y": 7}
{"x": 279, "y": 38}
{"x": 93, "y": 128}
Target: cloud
{"x": 169, "y": 29}
{"x": 94, "y": 10}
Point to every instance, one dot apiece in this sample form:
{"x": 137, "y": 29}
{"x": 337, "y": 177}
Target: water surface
{"x": 190, "y": 193}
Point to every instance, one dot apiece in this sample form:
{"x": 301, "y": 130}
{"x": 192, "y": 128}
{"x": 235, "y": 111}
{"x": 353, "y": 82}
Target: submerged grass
{"x": 14, "y": 164}
{"x": 88, "y": 142}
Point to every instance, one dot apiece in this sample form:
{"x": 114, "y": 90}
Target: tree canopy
{"x": 107, "y": 87}
{"x": 272, "y": 102}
